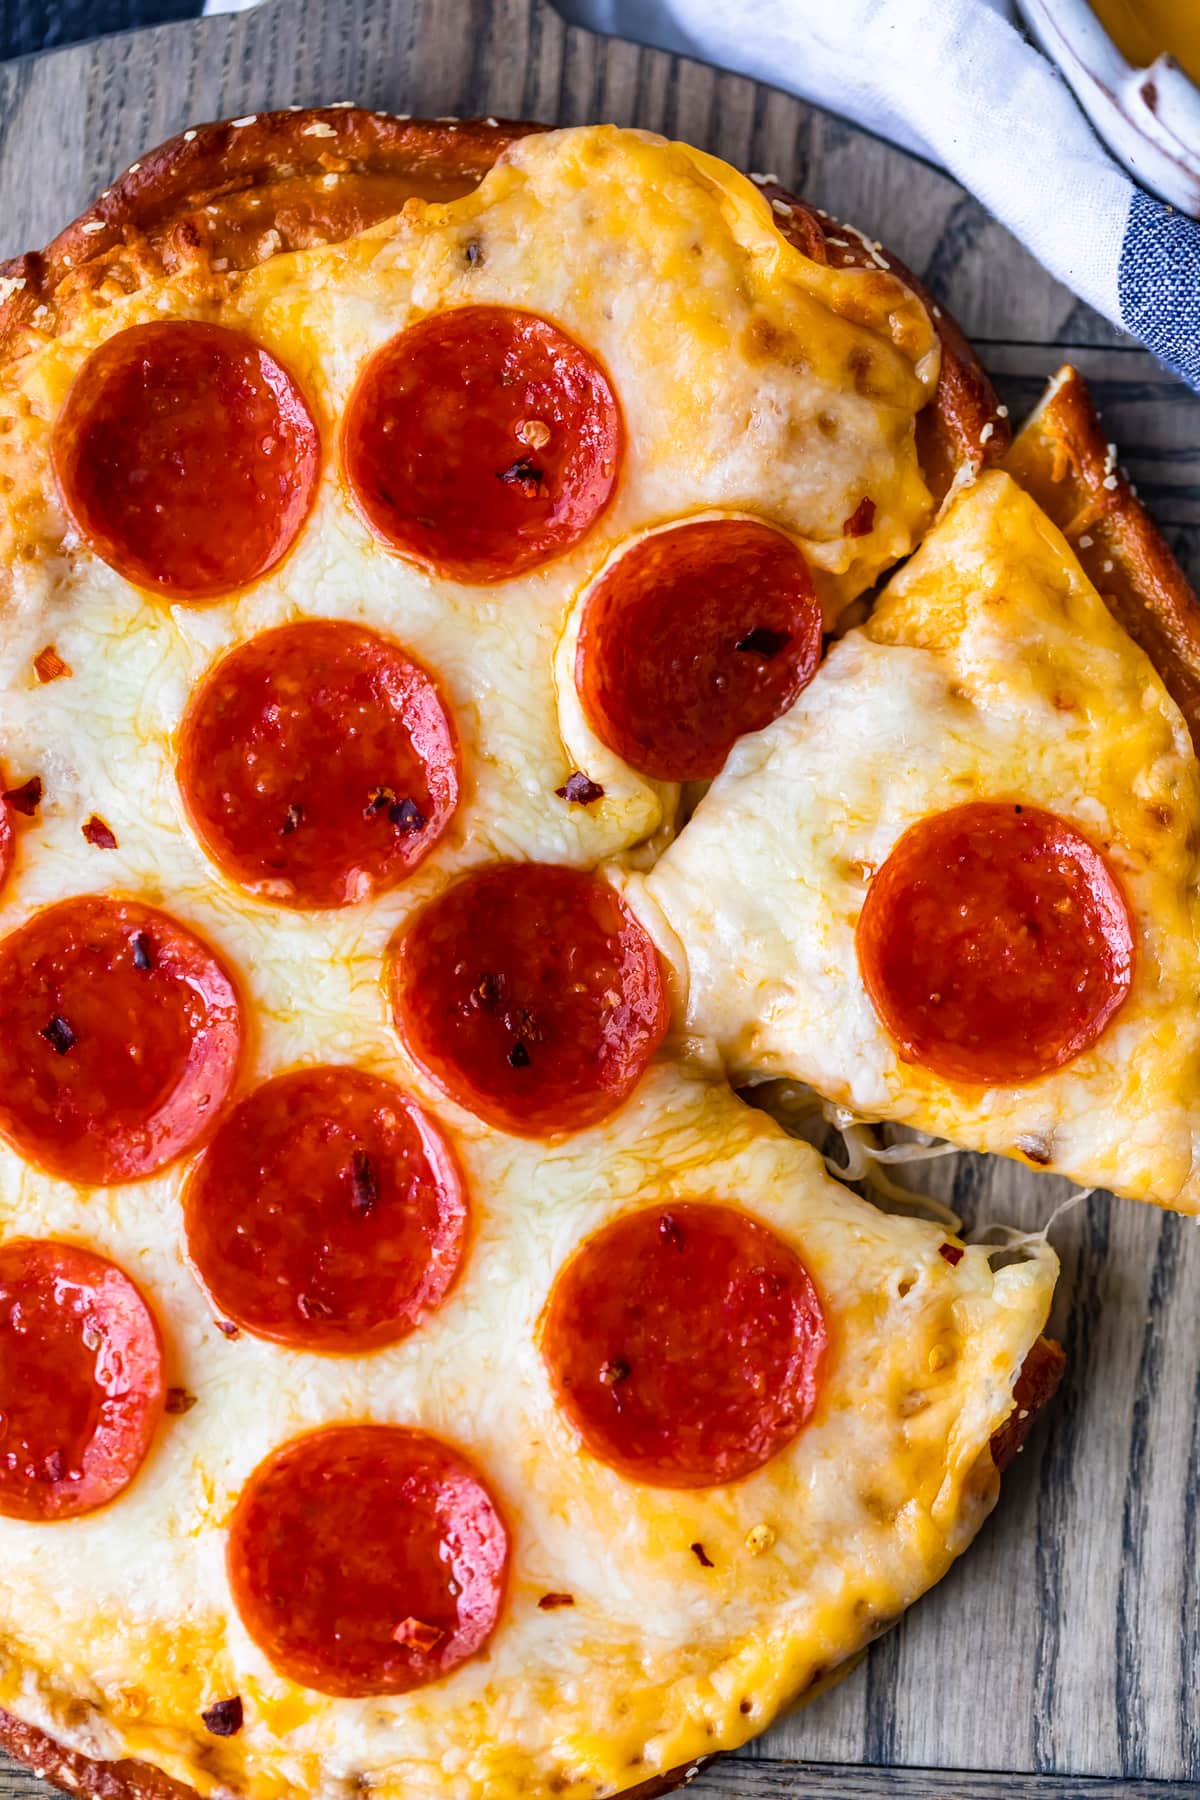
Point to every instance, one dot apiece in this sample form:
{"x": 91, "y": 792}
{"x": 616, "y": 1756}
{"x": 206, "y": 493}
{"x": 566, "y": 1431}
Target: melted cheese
{"x": 990, "y": 668}
{"x": 749, "y": 379}
{"x": 120, "y": 1626}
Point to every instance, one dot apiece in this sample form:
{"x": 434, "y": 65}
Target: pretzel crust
{"x": 1060, "y": 457}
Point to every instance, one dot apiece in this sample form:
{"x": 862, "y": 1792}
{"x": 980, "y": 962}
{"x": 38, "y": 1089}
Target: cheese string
{"x": 797, "y": 1108}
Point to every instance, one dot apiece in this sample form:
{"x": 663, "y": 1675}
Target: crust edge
{"x": 1061, "y": 458}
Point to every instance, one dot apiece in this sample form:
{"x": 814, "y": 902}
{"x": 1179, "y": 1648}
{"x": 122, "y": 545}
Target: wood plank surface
{"x": 1062, "y": 1655}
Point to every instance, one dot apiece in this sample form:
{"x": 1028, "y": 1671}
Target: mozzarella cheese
{"x": 749, "y": 379}
{"x": 118, "y": 1628}
{"x": 990, "y": 668}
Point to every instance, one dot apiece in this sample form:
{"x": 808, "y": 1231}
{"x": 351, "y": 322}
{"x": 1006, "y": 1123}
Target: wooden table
{"x": 1061, "y": 1657}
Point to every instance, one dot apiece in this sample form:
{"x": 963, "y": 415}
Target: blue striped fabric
{"x": 1158, "y": 284}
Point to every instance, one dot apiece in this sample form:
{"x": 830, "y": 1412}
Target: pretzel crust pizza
{"x": 421, "y": 1373}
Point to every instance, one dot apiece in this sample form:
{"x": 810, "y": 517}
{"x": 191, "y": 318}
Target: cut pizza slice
{"x": 955, "y": 885}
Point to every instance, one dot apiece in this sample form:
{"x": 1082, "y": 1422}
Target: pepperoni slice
{"x": 995, "y": 943}
{"x": 318, "y": 764}
{"x": 685, "y": 1344}
{"x": 531, "y": 995}
{"x": 693, "y": 637}
{"x": 81, "y": 1380}
{"x": 367, "y": 1559}
{"x": 186, "y": 457}
{"x": 327, "y": 1213}
{"x": 120, "y": 1034}
{"x": 482, "y": 442}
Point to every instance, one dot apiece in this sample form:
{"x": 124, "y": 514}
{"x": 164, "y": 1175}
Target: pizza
{"x": 420, "y": 1371}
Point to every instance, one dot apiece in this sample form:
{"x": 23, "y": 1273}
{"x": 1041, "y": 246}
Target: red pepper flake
{"x": 178, "y": 1402}
{"x": 377, "y": 799}
{"x": 671, "y": 1231}
{"x": 228, "y": 1329}
{"x": 764, "y": 642}
{"x": 415, "y": 1634}
{"x": 406, "y": 815}
{"x": 58, "y": 1034}
{"x": 702, "y": 1557}
{"x": 98, "y": 834}
{"x": 861, "y": 519}
{"x": 143, "y": 950}
{"x": 524, "y": 475}
{"x": 27, "y": 798}
{"x": 518, "y": 1056}
{"x": 365, "y": 1189}
{"x": 580, "y": 789}
{"x": 552, "y": 1602}
{"x": 951, "y": 1253}
{"x": 49, "y": 665}
{"x": 224, "y": 1718}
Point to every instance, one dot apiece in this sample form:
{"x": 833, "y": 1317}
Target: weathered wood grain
{"x": 1064, "y": 1649}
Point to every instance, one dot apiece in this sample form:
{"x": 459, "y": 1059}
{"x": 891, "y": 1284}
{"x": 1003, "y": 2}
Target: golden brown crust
{"x": 1035, "y": 1386}
{"x": 82, "y": 1774}
{"x": 128, "y": 1780}
{"x": 963, "y": 429}
{"x": 228, "y": 195}
{"x": 1060, "y": 457}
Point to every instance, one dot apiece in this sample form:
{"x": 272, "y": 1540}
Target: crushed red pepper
{"x": 224, "y": 1718}
{"x": 861, "y": 519}
{"x": 580, "y": 789}
{"x": 58, "y": 1034}
{"x": 365, "y": 1187}
{"x": 49, "y": 665}
{"x": 27, "y": 798}
{"x": 98, "y": 834}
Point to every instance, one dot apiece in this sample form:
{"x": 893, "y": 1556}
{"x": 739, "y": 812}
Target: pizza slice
{"x": 955, "y": 885}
